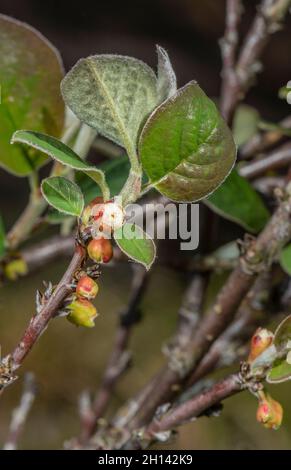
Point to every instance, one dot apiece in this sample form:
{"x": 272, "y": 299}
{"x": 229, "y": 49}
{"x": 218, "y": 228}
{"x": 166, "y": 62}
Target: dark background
{"x": 188, "y": 29}
{"x": 67, "y": 359}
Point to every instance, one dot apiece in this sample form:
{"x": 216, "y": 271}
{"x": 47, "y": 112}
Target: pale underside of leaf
{"x": 113, "y": 94}
{"x": 186, "y": 148}
{"x": 61, "y": 153}
{"x": 167, "y": 81}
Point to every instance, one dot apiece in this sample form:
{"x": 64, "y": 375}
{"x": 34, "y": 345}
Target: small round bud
{"x": 260, "y": 341}
{"x": 269, "y": 412}
{"x": 87, "y": 288}
{"x": 15, "y": 268}
{"x": 82, "y": 313}
{"x": 100, "y": 250}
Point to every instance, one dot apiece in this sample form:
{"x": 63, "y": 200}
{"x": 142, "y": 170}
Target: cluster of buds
{"x": 269, "y": 412}
{"x": 103, "y": 218}
{"x": 81, "y": 310}
{"x": 261, "y": 340}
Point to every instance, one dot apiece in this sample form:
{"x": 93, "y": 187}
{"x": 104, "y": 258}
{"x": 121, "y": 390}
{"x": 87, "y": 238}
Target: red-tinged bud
{"x": 82, "y": 313}
{"x": 269, "y": 412}
{"x": 87, "y": 288}
{"x": 260, "y": 341}
{"x": 87, "y": 212}
{"x": 100, "y": 250}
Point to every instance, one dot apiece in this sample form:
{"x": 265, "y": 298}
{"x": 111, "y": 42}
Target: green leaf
{"x": 285, "y": 259}
{"x": 185, "y": 147}
{"x": 136, "y": 244}
{"x": 2, "y": 237}
{"x": 116, "y": 172}
{"x": 167, "y": 82}
{"x": 63, "y": 195}
{"x": 113, "y": 94}
{"x": 62, "y": 153}
{"x": 237, "y": 201}
{"x": 282, "y": 337}
{"x": 30, "y": 74}
{"x": 245, "y": 124}
{"x": 280, "y": 372}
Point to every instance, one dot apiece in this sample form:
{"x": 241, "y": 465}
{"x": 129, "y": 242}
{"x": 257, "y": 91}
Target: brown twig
{"x": 267, "y": 184}
{"x": 39, "y": 322}
{"x": 268, "y": 18}
{"x": 257, "y": 258}
{"x": 264, "y": 140}
{"x": 228, "y": 50}
{"x": 251, "y": 313}
{"x": 279, "y": 158}
{"x": 20, "y": 414}
{"x": 120, "y": 358}
{"x": 195, "y": 407}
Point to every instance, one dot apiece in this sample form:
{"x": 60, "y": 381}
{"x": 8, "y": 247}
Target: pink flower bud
{"x": 269, "y": 412}
{"x": 87, "y": 288}
{"x": 100, "y": 250}
{"x": 260, "y": 341}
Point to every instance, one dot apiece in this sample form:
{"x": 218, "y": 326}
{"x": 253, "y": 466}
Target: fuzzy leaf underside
{"x": 113, "y": 94}
{"x": 167, "y": 81}
{"x": 185, "y": 147}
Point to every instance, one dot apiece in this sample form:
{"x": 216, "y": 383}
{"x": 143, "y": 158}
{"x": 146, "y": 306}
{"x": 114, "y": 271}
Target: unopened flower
{"x": 82, "y": 313}
{"x": 87, "y": 215}
{"x": 100, "y": 250}
{"x": 260, "y": 341}
{"x": 269, "y": 412}
{"x": 108, "y": 217}
{"x": 15, "y": 268}
{"x": 87, "y": 288}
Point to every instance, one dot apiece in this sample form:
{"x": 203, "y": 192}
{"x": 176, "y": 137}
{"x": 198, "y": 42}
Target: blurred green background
{"x": 68, "y": 360}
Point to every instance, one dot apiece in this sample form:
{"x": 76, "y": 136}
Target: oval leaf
{"x": 63, "y": 195}
{"x": 62, "y": 153}
{"x": 237, "y": 201}
{"x": 280, "y": 372}
{"x": 245, "y": 124}
{"x": 116, "y": 172}
{"x": 30, "y": 74}
{"x": 113, "y": 94}
{"x": 136, "y": 244}
{"x": 186, "y": 148}
{"x": 285, "y": 259}
{"x": 282, "y": 336}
